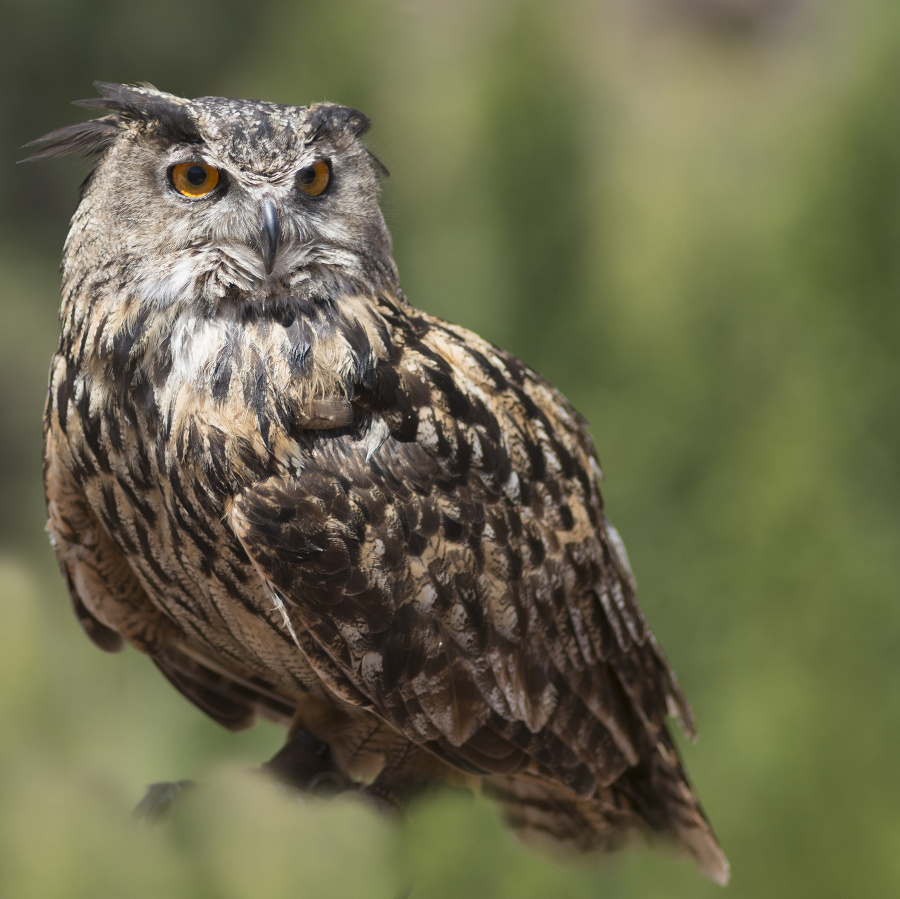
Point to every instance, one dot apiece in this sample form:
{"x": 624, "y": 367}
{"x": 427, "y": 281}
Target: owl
{"x": 303, "y": 498}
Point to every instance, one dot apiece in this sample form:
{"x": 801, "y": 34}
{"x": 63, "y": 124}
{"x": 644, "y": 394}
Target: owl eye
{"x": 313, "y": 179}
{"x": 194, "y": 179}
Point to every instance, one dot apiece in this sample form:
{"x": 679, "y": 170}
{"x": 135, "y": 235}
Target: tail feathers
{"x": 653, "y": 806}
{"x": 550, "y": 816}
{"x": 700, "y": 843}
{"x": 670, "y": 806}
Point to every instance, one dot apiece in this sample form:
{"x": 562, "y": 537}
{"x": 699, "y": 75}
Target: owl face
{"x": 220, "y": 199}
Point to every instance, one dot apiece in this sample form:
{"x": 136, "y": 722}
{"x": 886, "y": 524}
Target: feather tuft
{"x": 167, "y": 115}
{"x": 83, "y": 139}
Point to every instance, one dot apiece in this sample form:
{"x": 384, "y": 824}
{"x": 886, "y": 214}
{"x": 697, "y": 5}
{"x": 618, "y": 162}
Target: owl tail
{"x": 655, "y": 805}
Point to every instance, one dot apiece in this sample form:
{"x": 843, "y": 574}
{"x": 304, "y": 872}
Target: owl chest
{"x": 171, "y": 526}
{"x": 176, "y": 535}
{"x": 160, "y": 482}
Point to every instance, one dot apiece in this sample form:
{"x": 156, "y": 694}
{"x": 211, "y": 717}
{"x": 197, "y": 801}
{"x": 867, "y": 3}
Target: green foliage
{"x": 694, "y": 233}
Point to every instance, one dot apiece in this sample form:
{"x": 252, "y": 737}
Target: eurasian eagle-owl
{"x": 303, "y": 497}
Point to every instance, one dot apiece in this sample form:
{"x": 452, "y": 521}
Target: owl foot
{"x": 306, "y": 763}
{"x": 382, "y": 797}
{"x": 157, "y": 803}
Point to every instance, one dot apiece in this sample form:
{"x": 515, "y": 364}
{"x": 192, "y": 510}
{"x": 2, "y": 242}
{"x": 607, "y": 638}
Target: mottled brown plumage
{"x": 302, "y": 497}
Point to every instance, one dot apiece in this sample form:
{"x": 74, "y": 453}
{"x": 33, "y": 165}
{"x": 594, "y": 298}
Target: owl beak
{"x": 271, "y": 235}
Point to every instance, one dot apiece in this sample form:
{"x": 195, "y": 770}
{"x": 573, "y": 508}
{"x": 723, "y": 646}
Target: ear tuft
{"x": 329, "y": 117}
{"x": 85, "y": 139}
{"x": 169, "y": 115}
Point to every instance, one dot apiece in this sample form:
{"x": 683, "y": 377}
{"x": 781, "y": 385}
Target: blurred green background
{"x": 685, "y": 213}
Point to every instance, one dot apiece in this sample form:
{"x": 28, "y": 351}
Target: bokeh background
{"x": 686, "y": 213}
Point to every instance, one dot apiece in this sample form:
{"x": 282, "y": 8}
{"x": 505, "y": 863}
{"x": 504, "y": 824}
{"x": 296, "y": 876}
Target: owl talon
{"x": 306, "y": 763}
{"x": 328, "y": 783}
{"x": 384, "y": 799}
{"x": 158, "y": 801}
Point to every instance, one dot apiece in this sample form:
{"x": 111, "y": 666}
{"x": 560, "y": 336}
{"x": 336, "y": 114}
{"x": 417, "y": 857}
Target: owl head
{"x": 215, "y": 199}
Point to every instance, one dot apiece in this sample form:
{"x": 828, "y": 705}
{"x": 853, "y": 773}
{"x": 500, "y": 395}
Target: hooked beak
{"x": 270, "y": 236}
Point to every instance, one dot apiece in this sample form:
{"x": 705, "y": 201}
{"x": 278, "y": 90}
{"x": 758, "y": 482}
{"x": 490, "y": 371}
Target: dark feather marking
{"x": 220, "y": 380}
{"x": 148, "y": 555}
{"x": 142, "y": 504}
{"x": 144, "y": 404}
{"x": 452, "y": 530}
{"x": 488, "y": 368}
{"x": 217, "y": 466}
{"x": 111, "y": 517}
{"x": 174, "y": 121}
{"x": 64, "y": 392}
{"x": 113, "y": 431}
{"x": 84, "y": 138}
{"x": 123, "y": 343}
{"x": 93, "y": 436}
{"x": 185, "y": 512}
{"x": 515, "y": 565}
{"x": 358, "y": 340}
{"x": 83, "y": 469}
{"x": 324, "y": 120}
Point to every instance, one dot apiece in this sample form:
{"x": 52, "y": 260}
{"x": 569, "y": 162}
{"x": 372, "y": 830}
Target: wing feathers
{"x": 460, "y": 581}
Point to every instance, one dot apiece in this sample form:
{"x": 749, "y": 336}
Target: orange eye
{"x": 194, "y": 179}
{"x": 313, "y": 179}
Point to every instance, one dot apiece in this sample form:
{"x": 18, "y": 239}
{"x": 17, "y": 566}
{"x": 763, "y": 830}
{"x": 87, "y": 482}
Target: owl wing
{"x": 448, "y": 566}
